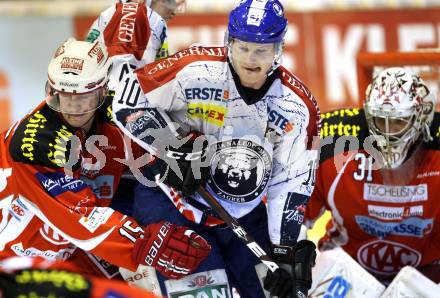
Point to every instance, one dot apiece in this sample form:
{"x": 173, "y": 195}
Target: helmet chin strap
{"x": 426, "y": 133}
{"x": 277, "y": 59}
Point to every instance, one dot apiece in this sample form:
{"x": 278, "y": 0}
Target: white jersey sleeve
{"x": 294, "y": 158}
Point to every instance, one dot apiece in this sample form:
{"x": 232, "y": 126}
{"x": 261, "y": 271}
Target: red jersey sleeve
{"x": 68, "y": 206}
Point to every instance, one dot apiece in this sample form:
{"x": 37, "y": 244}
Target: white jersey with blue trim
{"x": 263, "y": 151}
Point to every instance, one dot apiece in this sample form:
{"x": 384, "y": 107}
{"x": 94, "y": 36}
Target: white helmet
{"x": 78, "y": 68}
{"x": 398, "y": 98}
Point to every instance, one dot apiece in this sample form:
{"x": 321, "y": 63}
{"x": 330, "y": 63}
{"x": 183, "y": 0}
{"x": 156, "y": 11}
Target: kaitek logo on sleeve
{"x": 58, "y": 183}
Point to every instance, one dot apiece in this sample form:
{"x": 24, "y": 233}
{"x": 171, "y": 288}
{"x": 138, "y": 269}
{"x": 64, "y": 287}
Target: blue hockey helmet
{"x": 259, "y": 21}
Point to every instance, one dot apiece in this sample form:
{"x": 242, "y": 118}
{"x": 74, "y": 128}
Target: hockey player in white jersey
{"x": 260, "y": 122}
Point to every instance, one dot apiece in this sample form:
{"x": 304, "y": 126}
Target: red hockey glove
{"x": 173, "y": 250}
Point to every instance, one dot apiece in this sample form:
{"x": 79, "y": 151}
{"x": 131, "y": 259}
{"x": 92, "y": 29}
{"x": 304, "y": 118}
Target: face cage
{"x": 53, "y": 100}
{"x": 276, "y": 60}
{"x": 394, "y": 146}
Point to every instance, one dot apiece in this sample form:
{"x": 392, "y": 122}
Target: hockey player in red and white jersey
{"x": 60, "y": 166}
{"x": 135, "y": 33}
{"x": 381, "y": 188}
{"x": 260, "y": 121}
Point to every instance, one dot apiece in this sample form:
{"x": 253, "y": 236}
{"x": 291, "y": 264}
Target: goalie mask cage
{"x": 425, "y": 63}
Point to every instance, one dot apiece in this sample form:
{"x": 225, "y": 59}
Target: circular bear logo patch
{"x": 240, "y": 170}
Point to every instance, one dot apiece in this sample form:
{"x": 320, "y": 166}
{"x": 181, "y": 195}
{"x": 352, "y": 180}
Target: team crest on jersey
{"x": 240, "y": 170}
{"x": 387, "y": 257}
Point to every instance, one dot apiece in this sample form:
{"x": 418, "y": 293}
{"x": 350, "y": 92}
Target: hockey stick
{"x": 163, "y": 121}
{"x": 238, "y": 229}
{"x": 230, "y": 221}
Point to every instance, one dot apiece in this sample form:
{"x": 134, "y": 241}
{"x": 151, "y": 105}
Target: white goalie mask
{"x": 399, "y": 109}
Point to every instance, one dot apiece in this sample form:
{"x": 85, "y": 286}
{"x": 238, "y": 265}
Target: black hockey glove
{"x": 190, "y": 158}
{"x": 279, "y": 283}
{"x": 305, "y": 256}
{"x": 300, "y": 259}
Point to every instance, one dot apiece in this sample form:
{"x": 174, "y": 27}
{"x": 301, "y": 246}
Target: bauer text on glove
{"x": 173, "y": 250}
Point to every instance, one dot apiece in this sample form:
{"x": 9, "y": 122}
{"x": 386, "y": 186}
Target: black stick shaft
{"x": 238, "y": 229}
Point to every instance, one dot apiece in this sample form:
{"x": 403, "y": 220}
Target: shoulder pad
{"x": 165, "y": 70}
{"x": 291, "y": 81}
{"x": 341, "y": 123}
{"x": 41, "y": 139}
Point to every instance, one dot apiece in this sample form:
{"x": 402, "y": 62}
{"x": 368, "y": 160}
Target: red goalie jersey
{"x": 384, "y": 226}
